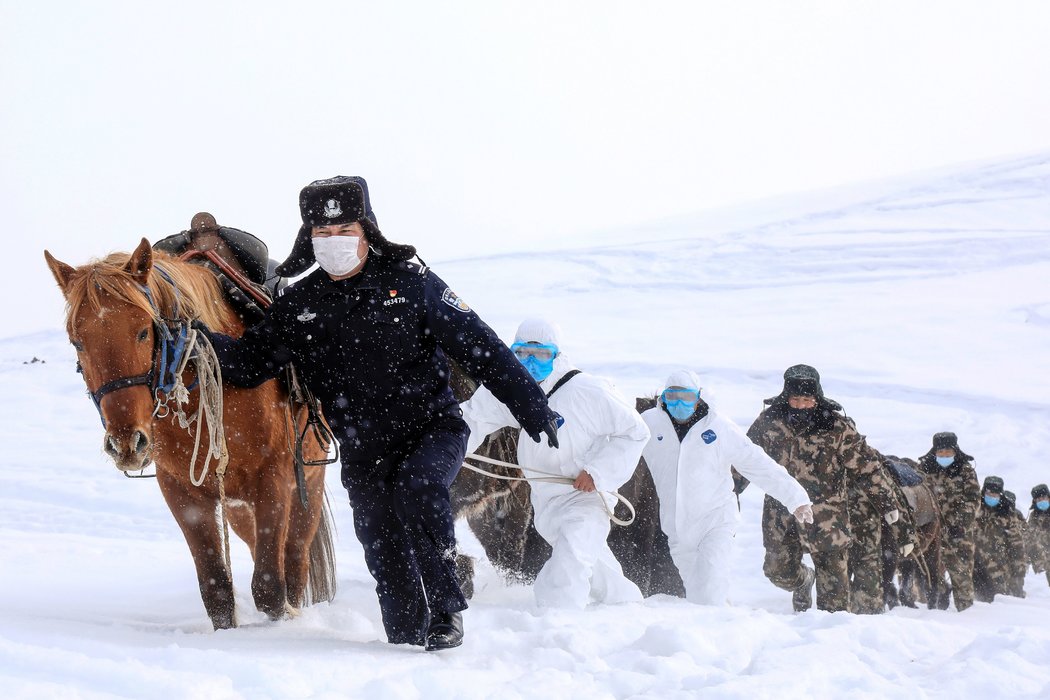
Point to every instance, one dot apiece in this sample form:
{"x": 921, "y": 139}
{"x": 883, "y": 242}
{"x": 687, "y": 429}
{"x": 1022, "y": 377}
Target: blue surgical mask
{"x": 991, "y": 501}
{"x": 680, "y": 410}
{"x": 1042, "y": 505}
{"x": 945, "y": 461}
{"x": 539, "y": 369}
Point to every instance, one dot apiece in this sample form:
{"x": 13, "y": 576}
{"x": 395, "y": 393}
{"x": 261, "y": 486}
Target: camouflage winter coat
{"x": 1037, "y": 540}
{"x": 826, "y": 458}
{"x": 999, "y": 544}
{"x": 957, "y": 492}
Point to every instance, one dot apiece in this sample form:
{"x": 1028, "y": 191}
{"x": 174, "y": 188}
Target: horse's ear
{"x": 141, "y": 262}
{"x": 63, "y": 273}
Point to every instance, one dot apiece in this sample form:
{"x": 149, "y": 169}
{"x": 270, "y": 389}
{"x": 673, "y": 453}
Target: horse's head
{"x": 114, "y": 309}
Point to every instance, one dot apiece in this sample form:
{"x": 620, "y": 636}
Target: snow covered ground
{"x": 923, "y": 302}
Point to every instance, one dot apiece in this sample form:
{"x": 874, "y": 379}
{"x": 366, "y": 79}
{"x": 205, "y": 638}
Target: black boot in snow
{"x": 446, "y": 631}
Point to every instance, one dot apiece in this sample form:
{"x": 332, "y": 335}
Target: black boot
{"x": 446, "y": 631}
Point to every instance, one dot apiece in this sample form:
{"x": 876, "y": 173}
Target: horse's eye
{"x": 77, "y": 345}
{"x": 143, "y": 334}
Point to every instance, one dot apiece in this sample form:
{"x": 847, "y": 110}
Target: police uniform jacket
{"x": 373, "y": 348}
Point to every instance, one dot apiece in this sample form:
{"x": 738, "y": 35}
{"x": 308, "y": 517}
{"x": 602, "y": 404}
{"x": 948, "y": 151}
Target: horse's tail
{"x": 320, "y": 580}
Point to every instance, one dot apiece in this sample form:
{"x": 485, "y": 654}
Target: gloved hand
{"x": 198, "y": 325}
{"x": 907, "y": 549}
{"x": 893, "y": 516}
{"x": 550, "y": 429}
{"x": 804, "y": 514}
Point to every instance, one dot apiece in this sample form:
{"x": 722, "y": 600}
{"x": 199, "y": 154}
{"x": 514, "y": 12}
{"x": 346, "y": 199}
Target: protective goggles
{"x": 687, "y": 395}
{"x": 542, "y": 352}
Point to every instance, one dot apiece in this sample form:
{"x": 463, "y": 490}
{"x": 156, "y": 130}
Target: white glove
{"x": 893, "y": 516}
{"x": 804, "y": 514}
{"x": 906, "y": 549}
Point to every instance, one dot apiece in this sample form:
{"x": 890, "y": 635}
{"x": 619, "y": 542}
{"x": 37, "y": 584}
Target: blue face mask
{"x": 945, "y": 461}
{"x": 1042, "y": 505}
{"x": 539, "y": 369}
{"x": 680, "y": 410}
{"x": 991, "y": 501}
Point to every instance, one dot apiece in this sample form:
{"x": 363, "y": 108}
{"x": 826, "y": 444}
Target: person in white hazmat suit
{"x": 601, "y": 441}
{"x": 690, "y": 455}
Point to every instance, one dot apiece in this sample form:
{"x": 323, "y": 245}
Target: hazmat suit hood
{"x": 684, "y": 378}
{"x": 538, "y": 330}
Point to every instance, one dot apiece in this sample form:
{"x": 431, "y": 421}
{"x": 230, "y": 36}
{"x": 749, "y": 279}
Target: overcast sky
{"x": 481, "y": 126}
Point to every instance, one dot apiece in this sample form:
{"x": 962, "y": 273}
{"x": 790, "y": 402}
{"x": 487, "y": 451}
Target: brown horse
{"x": 922, "y": 571}
{"x": 119, "y": 312}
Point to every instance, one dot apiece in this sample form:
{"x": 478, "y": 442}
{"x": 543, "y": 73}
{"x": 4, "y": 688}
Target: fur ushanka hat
{"x": 338, "y": 200}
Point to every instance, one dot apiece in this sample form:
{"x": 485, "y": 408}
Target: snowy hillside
{"x": 924, "y": 304}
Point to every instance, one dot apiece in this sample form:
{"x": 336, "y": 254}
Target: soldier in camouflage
{"x": 949, "y": 473}
{"x": 1019, "y": 557}
{"x": 1037, "y": 532}
{"x": 820, "y": 447}
{"x": 869, "y": 530}
{"x": 998, "y": 544}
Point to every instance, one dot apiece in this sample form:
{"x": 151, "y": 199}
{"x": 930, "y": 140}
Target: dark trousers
{"x": 403, "y": 519}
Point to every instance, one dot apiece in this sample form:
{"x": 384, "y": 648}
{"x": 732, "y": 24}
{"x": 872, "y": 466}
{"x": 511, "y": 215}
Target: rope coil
{"x": 208, "y": 418}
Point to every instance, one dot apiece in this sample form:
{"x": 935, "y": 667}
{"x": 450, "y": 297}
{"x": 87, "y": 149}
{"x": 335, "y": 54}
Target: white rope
{"x": 208, "y": 417}
{"x": 548, "y": 477}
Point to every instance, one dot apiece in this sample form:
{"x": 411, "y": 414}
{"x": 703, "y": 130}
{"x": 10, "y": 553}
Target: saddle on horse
{"x": 240, "y": 260}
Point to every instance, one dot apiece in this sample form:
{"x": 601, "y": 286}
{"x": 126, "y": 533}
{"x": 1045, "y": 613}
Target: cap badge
{"x": 332, "y": 209}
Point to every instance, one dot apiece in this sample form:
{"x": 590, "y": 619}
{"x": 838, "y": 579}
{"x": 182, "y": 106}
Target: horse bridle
{"x": 173, "y": 334}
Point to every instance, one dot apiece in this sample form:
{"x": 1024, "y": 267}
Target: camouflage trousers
{"x": 957, "y": 560}
{"x": 991, "y": 577}
{"x": 784, "y": 568}
{"x": 865, "y": 559}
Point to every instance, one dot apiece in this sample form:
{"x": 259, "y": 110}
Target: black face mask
{"x": 800, "y": 418}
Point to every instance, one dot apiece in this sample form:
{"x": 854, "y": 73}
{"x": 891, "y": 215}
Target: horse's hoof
{"x": 223, "y": 623}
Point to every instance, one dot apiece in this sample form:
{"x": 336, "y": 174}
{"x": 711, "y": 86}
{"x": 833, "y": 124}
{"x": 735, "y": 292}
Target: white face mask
{"x": 337, "y": 255}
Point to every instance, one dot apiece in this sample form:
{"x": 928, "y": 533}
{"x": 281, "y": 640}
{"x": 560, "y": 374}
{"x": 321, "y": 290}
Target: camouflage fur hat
{"x": 1040, "y": 491}
{"x": 993, "y": 483}
{"x": 803, "y": 380}
{"x": 943, "y": 441}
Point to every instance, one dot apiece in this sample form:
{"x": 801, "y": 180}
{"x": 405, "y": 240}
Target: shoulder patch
{"x": 708, "y": 436}
{"x": 450, "y": 298}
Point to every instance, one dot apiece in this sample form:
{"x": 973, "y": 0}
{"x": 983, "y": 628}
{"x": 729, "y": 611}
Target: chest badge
{"x": 708, "y": 436}
{"x": 306, "y": 316}
{"x": 393, "y": 292}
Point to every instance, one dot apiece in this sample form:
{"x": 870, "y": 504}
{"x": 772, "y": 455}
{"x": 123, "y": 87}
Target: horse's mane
{"x": 199, "y": 293}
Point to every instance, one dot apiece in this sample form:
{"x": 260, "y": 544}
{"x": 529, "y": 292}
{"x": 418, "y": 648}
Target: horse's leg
{"x": 271, "y": 530}
{"x": 196, "y": 516}
{"x": 242, "y": 522}
{"x": 302, "y": 528}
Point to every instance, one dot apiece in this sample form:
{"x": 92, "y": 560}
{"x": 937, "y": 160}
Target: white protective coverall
{"x": 698, "y": 509}
{"x": 603, "y": 435}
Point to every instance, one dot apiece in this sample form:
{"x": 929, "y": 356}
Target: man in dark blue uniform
{"x": 369, "y": 333}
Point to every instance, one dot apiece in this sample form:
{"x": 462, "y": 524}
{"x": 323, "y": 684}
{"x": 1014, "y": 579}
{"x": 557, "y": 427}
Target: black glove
{"x": 550, "y": 429}
{"x": 198, "y": 325}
